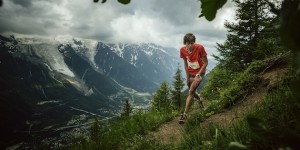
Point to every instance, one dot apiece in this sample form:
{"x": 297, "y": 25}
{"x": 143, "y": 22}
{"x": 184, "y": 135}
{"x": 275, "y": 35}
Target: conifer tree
{"x": 178, "y": 86}
{"x": 127, "y": 108}
{"x": 95, "y": 131}
{"x": 161, "y": 100}
{"x": 238, "y": 51}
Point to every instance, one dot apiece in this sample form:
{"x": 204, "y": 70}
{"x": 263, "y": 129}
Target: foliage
{"x": 276, "y": 124}
{"x": 162, "y": 98}
{"x": 289, "y": 24}
{"x": 95, "y": 131}
{"x": 289, "y": 28}
{"x": 120, "y": 1}
{"x": 273, "y": 125}
{"x": 225, "y": 88}
{"x": 218, "y": 79}
{"x": 241, "y": 46}
{"x": 244, "y": 83}
{"x": 178, "y": 84}
{"x": 209, "y": 8}
{"x": 127, "y": 109}
{"x": 270, "y": 43}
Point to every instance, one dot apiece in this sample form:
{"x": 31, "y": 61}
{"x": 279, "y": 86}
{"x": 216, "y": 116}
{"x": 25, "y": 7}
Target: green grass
{"x": 274, "y": 124}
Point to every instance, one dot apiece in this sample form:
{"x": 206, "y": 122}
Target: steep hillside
{"x": 33, "y": 101}
{"x": 172, "y": 132}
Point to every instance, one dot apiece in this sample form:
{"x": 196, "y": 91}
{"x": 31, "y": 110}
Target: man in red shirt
{"x": 195, "y": 63}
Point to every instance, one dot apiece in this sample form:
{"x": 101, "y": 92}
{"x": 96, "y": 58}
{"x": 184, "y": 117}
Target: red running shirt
{"x": 194, "y": 59}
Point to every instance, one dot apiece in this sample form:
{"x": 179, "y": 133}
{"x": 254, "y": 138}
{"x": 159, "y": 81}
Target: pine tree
{"x": 178, "y": 86}
{"x": 238, "y": 51}
{"x": 161, "y": 100}
{"x": 127, "y": 109}
{"x": 95, "y": 131}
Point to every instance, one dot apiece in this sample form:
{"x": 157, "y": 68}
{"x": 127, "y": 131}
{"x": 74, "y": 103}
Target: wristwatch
{"x": 198, "y": 75}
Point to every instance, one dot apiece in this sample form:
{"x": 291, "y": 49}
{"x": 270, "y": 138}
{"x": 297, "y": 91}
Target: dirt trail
{"x": 168, "y": 133}
{"x": 171, "y": 133}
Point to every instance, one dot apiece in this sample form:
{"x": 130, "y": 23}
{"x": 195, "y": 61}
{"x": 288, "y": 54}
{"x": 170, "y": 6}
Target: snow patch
{"x": 60, "y": 66}
{"x": 149, "y": 53}
{"x": 47, "y": 102}
{"x": 118, "y": 49}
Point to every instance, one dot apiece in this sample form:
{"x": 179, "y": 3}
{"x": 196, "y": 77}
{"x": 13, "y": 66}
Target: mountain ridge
{"x": 52, "y": 85}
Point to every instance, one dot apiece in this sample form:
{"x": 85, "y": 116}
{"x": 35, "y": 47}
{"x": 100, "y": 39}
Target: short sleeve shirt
{"x": 194, "y": 59}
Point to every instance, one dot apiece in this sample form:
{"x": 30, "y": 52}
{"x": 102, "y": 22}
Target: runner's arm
{"x": 186, "y": 68}
{"x": 186, "y": 72}
{"x": 205, "y": 63}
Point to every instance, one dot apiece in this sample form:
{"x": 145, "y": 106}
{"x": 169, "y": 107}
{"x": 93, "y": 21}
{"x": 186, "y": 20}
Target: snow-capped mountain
{"x": 155, "y": 62}
{"x": 48, "y": 84}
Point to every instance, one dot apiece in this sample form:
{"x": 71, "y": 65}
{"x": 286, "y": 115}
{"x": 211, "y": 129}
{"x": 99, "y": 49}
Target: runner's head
{"x": 189, "y": 40}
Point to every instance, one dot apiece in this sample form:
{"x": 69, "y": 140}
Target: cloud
{"x": 156, "y": 21}
{"x": 36, "y": 17}
{"x": 139, "y": 28}
{"x": 22, "y": 3}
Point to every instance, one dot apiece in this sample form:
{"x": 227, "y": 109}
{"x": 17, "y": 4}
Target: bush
{"x": 245, "y": 83}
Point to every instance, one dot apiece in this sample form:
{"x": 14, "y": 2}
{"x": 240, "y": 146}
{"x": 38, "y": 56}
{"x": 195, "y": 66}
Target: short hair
{"x": 189, "y": 37}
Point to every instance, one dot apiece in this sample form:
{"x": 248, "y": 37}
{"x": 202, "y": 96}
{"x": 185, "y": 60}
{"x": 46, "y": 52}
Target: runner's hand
{"x": 198, "y": 79}
{"x": 196, "y": 82}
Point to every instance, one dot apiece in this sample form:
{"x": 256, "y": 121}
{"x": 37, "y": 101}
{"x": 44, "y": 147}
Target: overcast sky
{"x": 163, "y": 22}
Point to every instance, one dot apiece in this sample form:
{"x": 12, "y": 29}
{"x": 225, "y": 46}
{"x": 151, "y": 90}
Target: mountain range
{"x": 51, "y": 84}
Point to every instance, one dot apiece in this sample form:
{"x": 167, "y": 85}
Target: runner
{"x": 195, "y": 63}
